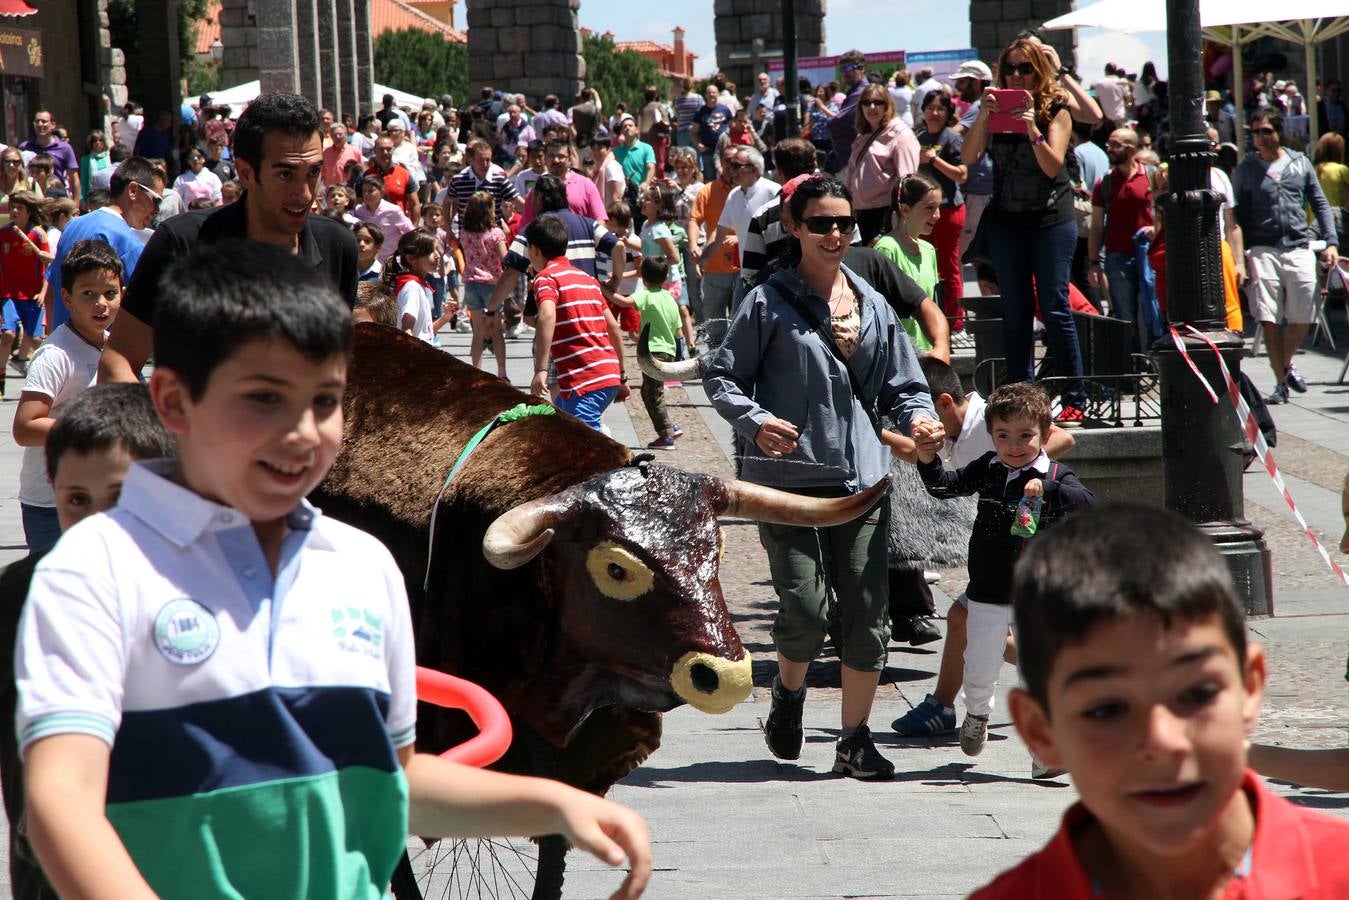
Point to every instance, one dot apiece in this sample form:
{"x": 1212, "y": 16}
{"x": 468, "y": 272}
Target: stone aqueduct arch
{"x": 533, "y": 47}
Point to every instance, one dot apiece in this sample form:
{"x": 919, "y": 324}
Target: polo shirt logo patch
{"x": 359, "y": 630}
{"x": 186, "y": 632}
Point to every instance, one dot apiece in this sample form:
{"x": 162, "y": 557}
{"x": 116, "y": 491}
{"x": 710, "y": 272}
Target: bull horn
{"x": 764, "y": 504}
{"x": 520, "y": 534}
{"x": 687, "y": 370}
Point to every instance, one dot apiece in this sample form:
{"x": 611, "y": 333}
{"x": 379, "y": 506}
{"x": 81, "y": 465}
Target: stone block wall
{"x": 532, "y": 47}
{"x": 738, "y": 23}
{"x": 994, "y": 23}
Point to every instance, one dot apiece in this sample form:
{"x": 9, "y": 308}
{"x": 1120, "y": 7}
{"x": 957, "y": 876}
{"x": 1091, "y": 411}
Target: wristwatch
{"x": 1067, "y": 70}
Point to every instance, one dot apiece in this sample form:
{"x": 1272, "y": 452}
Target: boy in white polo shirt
{"x": 216, "y": 682}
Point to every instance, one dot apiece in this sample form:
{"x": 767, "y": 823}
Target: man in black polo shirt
{"x": 278, "y": 153}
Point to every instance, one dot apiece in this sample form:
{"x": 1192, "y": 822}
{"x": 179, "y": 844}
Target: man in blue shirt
{"x": 709, "y": 123}
{"x": 136, "y": 189}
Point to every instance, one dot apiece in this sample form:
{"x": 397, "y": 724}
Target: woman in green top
{"x": 95, "y": 160}
{"x": 917, "y": 209}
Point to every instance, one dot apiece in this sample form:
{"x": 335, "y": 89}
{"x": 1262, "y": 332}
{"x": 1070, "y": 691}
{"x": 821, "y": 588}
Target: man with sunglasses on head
{"x": 1274, "y": 186}
{"x": 278, "y": 153}
{"x": 843, "y": 127}
{"x": 137, "y": 189}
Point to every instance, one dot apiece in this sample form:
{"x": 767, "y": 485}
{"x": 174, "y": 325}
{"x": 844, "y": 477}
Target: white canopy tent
{"x": 1233, "y": 23}
{"x": 239, "y": 96}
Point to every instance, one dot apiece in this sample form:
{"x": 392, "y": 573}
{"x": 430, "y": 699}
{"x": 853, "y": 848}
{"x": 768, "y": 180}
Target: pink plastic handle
{"x": 487, "y": 713}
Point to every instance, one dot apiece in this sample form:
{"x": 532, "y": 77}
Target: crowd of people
{"x": 821, "y": 272}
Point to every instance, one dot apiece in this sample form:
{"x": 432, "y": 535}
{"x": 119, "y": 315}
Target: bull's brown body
{"x": 410, "y": 410}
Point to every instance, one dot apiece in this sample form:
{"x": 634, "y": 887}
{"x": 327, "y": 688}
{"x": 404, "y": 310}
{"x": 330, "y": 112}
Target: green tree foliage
{"x": 422, "y": 63}
{"x": 620, "y": 75}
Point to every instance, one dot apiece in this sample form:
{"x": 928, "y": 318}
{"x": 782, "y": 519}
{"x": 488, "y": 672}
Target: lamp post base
{"x": 1243, "y": 548}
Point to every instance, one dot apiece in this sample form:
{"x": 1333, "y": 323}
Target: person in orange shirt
{"x": 719, "y": 272}
{"x": 337, "y": 154}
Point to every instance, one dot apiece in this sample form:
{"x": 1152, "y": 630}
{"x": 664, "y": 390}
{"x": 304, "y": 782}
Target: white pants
{"x": 985, "y": 639}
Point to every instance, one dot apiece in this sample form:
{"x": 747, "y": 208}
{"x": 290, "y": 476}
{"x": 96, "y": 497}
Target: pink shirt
{"x": 878, "y": 163}
{"x": 391, "y": 222}
{"x": 482, "y": 261}
{"x": 583, "y": 198}
{"x": 335, "y": 161}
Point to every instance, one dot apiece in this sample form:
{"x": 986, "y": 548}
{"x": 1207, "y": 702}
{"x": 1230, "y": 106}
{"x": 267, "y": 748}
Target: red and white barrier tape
{"x": 1253, "y": 434}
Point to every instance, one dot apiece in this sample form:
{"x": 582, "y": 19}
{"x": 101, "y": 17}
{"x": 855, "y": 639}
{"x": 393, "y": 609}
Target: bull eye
{"x": 617, "y": 572}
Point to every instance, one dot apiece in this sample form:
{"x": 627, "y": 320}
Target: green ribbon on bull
{"x": 514, "y": 414}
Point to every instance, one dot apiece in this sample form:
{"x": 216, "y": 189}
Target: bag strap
{"x": 821, "y": 330}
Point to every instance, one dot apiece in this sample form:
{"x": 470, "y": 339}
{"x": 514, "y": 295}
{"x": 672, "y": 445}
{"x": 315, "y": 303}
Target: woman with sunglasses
{"x": 940, "y": 159}
{"x": 784, "y": 380}
{"x": 14, "y": 177}
{"x": 1029, "y": 223}
{"x": 94, "y": 160}
{"x": 884, "y": 151}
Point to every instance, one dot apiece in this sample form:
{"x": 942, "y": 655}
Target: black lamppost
{"x": 1203, "y": 444}
{"x": 791, "y": 90}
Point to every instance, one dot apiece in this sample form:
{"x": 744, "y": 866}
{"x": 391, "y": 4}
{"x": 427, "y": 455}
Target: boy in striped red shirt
{"x": 574, "y": 325}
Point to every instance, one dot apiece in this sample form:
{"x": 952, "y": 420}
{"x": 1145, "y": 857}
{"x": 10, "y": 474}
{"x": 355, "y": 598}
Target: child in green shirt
{"x": 659, "y": 311}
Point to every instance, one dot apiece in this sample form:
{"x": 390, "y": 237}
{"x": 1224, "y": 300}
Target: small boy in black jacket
{"x": 1012, "y": 481}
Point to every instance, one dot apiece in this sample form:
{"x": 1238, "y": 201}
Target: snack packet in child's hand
{"x": 1027, "y": 517}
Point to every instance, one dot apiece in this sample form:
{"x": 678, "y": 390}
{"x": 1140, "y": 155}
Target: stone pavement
{"x": 728, "y": 820}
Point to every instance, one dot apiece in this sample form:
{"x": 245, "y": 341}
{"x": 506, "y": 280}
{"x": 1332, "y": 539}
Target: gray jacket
{"x": 1271, "y": 212}
{"x": 774, "y": 365}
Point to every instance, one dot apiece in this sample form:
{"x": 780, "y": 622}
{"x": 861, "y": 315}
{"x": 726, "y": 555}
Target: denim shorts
{"x": 588, "y": 407}
{"x": 476, "y": 295}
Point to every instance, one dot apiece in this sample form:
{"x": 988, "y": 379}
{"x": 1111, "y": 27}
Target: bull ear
{"x": 744, "y": 499}
{"x": 520, "y": 534}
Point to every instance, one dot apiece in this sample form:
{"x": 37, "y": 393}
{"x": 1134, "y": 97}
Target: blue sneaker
{"x": 927, "y": 718}
{"x": 665, "y": 443}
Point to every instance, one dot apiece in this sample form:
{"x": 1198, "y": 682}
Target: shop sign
{"x": 21, "y": 52}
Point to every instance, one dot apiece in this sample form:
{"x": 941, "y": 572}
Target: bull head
{"x": 635, "y": 561}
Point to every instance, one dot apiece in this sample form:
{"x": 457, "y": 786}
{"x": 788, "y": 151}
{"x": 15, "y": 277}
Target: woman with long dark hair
{"x": 813, "y": 360}
{"x": 940, "y": 159}
{"x": 1030, "y": 227}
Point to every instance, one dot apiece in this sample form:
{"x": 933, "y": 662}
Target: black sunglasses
{"x": 1024, "y": 69}
{"x": 873, "y": 102}
{"x": 826, "y": 224}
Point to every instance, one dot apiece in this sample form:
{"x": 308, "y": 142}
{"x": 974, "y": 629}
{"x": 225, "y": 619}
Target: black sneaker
{"x": 782, "y": 732}
{"x": 916, "y": 630}
{"x": 1294, "y": 379}
{"x": 857, "y": 757}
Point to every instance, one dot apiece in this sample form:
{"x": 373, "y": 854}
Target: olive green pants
{"x": 849, "y": 561}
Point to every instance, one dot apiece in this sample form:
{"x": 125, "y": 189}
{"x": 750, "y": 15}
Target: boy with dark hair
{"x": 1020, "y": 491}
{"x": 662, "y": 321}
{"x": 967, "y": 439}
{"x": 184, "y": 705}
{"x": 88, "y": 452}
{"x": 1140, "y": 681}
{"x": 571, "y": 309}
{"x": 64, "y": 366}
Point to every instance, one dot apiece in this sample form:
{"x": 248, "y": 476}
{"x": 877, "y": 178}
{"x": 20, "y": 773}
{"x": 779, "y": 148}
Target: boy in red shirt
{"x": 574, "y": 325}
{"x": 1138, "y": 679}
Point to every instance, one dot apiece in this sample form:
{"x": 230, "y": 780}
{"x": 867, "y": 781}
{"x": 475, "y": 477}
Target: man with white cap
{"x": 970, "y": 81}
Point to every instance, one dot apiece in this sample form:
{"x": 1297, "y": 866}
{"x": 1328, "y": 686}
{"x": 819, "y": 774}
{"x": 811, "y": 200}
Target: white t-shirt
{"x": 1110, "y": 96}
{"x": 524, "y": 180}
{"x": 741, "y": 205}
{"x": 974, "y": 440}
{"x": 611, "y": 171}
{"x": 415, "y": 300}
{"x": 62, "y": 368}
{"x": 129, "y": 128}
{"x": 1218, "y": 181}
